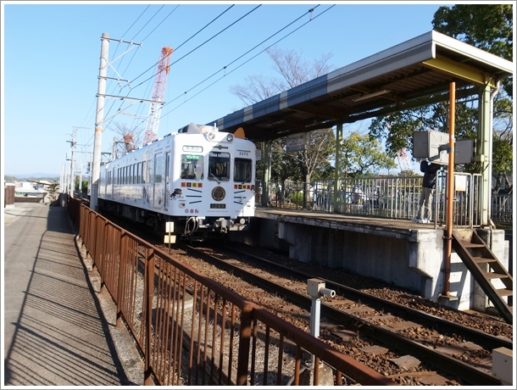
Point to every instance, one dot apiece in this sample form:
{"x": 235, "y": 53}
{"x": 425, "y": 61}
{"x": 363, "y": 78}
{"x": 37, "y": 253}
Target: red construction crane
{"x": 160, "y": 82}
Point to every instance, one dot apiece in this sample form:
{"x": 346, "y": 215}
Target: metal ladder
{"x": 485, "y": 267}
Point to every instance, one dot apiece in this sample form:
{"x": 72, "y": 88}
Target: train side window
{"x": 158, "y": 167}
{"x": 145, "y": 171}
{"x": 242, "y": 171}
{"x": 191, "y": 166}
{"x": 219, "y": 166}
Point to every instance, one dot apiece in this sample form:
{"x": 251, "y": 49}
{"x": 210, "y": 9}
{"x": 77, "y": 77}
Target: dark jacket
{"x": 429, "y": 170}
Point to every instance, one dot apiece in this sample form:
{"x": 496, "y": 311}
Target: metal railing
{"x": 382, "y": 197}
{"x": 502, "y": 208}
{"x": 194, "y": 331}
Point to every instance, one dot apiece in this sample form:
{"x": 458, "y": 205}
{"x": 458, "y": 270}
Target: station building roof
{"x": 410, "y": 74}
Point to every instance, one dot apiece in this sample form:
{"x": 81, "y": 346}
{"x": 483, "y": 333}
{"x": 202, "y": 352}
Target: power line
{"x": 245, "y": 62}
{"x": 163, "y": 20}
{"x": 153, "y": 66}
{"x": 116, "y": 49}
{"x": 197, "y": 47}
{"x": 132, "y": 57}
{"x": 146, "y": 23}
{"x": 202, "y": 44}
{"x": 134, "y": 53}
{"x": 204, "y": 27}
{"x": 310, "y": 11}
{"x": 136, "y": 20}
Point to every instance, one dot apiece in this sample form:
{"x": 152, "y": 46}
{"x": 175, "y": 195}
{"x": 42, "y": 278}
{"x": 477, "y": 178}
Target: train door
{"x": 167, "y": 179}
{"x": 219, "y": 183}
{"x": 158, "y": 182}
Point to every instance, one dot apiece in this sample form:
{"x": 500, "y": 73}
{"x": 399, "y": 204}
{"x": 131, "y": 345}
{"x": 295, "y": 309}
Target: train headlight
{"x": 229, "y": 137}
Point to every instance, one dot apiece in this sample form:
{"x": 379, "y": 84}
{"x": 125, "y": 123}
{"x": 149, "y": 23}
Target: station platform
{"x": 55, "y": 333}
{"x": 400, "y": 252}
{"x": 396, "y": 228}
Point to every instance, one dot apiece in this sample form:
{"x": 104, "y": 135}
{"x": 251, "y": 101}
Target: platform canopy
{"x": 411, "y": 74}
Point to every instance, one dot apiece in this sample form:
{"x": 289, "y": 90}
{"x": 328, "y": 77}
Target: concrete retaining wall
{"x": 413, "y": 261}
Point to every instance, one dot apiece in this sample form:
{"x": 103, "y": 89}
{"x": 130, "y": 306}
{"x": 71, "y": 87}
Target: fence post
{"x": 244, "y": 344}
{"x": 120, "y": 276}
{"x": 149, "y": 293}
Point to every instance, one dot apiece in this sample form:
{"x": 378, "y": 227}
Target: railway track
{"x": 423, "y": 342}
{"x": 434, "y": 322}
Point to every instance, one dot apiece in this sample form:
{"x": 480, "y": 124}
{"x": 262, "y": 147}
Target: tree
{"x": 292, "y": 71}
{"x": 488, "y": 27}
{"x": 362, "y": 155}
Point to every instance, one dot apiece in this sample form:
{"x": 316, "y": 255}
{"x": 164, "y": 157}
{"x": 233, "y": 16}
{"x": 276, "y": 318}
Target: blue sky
{"x": 50, "y": 62}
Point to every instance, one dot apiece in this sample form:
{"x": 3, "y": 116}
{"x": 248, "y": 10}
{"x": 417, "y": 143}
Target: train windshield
{"x": 242, "y": 170}
{"x": 191, "y": 166}
{"x": 219, "y": 166}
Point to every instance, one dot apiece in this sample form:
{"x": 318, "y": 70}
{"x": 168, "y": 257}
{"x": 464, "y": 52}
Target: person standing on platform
{"x": 425, "y": 203}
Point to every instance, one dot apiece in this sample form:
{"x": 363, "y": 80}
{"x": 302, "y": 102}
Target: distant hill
{"x": 33, "y": 176}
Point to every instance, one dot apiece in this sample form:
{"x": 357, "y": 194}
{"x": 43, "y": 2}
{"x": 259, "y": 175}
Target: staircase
{"x": 486, "y": 268}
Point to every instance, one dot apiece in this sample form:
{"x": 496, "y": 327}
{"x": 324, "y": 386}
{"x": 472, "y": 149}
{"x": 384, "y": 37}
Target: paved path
{"x": 54, "y": 334}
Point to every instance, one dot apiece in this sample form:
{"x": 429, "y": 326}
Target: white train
{"x": 199, "y": 178}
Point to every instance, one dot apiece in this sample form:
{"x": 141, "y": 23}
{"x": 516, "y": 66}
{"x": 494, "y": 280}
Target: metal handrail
{"x": 381, "y": 197}
{"x": 192, "y": 330}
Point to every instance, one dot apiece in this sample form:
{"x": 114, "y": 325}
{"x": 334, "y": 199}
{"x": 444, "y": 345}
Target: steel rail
{"x": 444, "y": 363}
{"x": 444, "y": 326}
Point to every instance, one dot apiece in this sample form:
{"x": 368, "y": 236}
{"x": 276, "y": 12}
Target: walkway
{"x": 54, "y": 334}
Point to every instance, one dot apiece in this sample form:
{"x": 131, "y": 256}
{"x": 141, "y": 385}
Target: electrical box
{"x": 314, "y": 286}
{"x": 464, "y": 151}
{"x": 433, "y": 145}
{"x": 427, "y": 143}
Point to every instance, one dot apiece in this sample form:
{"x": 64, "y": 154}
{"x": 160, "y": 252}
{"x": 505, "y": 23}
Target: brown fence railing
{"x": 382, "y": 197}
{"x": 194, "y": 331}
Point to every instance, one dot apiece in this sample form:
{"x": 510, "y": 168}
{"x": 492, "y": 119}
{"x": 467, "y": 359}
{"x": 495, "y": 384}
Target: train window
{"x": 145, "y": 171}
{"x": 242, "y": 171}
{"x": 219, "y": 166}
{"x": 191, "y": 166}
{"x": 158, "y": 168}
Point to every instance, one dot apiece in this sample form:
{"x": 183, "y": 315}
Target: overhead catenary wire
{"x": 147, "y": 23}
{"x": 161, "y": 22}
{"x": 153, "y": 66}
{"x": 202, "y": 44}
{"x": 90, "y": 109}
{"x": 247, "y": 61}
{"x": 194, "y": 49}
{"x": 308, "y": 12}
{"x": 135, "y": 52}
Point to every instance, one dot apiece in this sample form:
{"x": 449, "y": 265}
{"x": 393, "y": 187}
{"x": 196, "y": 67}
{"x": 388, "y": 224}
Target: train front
{"x": 213, "y": 184}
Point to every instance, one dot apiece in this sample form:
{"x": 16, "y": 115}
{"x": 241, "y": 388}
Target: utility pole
{"x": 67, "y": 176}
{"x": 99, "y": 120}
{"x": 73, "y": 143}
{"x": 81, "y": 180}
